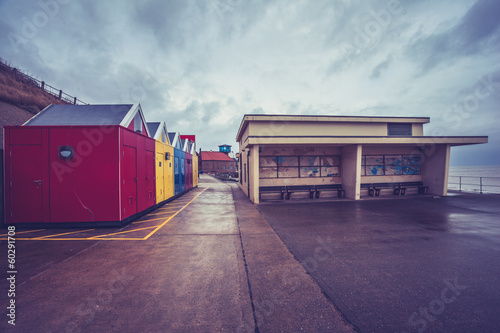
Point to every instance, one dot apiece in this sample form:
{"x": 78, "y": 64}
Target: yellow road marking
{"x": 121, "y": 232}
{"x": 23, "y": 232}
{"x": 163, "y": 213}
{"x": 48, "y": 239}
{"x": 173, "y": 205}
{"x": 123, "y": 238}
{"x": 65, "y": 233}
{"x": 171, "y": 217}
{"x": 160, "y": 218}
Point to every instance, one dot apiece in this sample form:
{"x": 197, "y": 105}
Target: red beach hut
{"x": 79, "y": 164}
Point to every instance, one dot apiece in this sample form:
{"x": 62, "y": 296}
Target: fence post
{"x": 60, "y": 94}
{"x": 74, "y": 101}
{"x": 480, "y": 185}
{"x": 460, "y": 184}
{"x": 43, "y": 85}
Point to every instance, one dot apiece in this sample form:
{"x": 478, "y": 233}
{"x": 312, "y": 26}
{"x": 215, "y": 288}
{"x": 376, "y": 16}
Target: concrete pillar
{"x": 435, "y": 167}
{"x": 351, "y": 171}
{"x": 254, "y": 174}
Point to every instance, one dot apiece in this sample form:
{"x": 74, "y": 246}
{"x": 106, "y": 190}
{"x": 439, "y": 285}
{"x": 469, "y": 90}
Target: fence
{"x": 44, "y": 86}
{"x": 474, "y": 184}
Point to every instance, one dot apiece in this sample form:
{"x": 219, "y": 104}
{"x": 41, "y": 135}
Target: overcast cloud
{"x": 202, "y": 65}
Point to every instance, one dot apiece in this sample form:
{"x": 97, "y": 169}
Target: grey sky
{"x": 201, "y": 65}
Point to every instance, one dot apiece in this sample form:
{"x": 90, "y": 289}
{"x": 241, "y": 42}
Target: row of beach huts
{"x": 93, "y": 165}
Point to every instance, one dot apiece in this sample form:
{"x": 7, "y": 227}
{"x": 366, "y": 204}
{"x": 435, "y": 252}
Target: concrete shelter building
{"x": 285, "y": 150}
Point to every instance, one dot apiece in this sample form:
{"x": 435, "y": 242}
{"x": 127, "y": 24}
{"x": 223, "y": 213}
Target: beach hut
{"x": 179, "y": 164}
{"x": 80, "y": 164}
{"x": 188, "y": 158}
{"x": 164, "y": 161}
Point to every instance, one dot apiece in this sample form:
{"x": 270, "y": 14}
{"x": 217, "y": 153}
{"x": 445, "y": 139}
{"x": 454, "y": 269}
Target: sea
{"x": 477, "y": 179}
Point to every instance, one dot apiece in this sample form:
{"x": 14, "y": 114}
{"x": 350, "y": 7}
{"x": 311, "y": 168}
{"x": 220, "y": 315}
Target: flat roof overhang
{"x": 364, "y": 140}
{"x": 324, "y": 118}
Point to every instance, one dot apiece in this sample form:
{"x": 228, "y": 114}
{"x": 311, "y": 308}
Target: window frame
{"x": 385, "y": 165}
{"x": 407, "y": 128}
{"x": 299, "y": 167}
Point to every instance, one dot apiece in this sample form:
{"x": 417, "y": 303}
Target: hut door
{"x": 129, "y": 182}
{"x": 26, "y": 183}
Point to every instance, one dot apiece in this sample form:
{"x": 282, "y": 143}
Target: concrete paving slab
{"x": 414, "y": 265}
{"x": 215, "y": 266}
{"x": 285, "y": 298}
{"x": 189, "y": 276}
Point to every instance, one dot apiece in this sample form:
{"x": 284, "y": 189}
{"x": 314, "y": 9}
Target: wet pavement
{"x": 420, "y": 264}
{"x": 212, "y": 261}
{"x": 216, "y": 265}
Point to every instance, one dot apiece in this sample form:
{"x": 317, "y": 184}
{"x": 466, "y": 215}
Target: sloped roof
{"x": 171, "y": 137}
{"x": 215, "y": 156}
{"x": 175, "y": 140}
{"x": 96, "y": 114}
{"x": 190, "y": 137}
{"x": 156, "y": 129}
{"x": 109, "y": 114}
{"x": 185, "y": 145}
{"x": 153, "y": 127}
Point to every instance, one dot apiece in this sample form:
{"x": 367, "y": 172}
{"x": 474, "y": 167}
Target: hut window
{"x": 66, "y": 152}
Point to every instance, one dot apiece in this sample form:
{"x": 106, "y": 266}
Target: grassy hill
{"x": 19, "y": 90}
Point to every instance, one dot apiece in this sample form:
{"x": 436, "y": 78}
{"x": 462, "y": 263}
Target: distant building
{"x": 354, "y": 152}
{"x": 218, "y": 162}
{"x": 226, "y": 149}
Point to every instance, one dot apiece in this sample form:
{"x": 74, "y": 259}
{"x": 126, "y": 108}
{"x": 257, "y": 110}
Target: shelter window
{"x": 299, "y": 166}
{"x": 399, "y": 129}
{"x": 330, "y": 166}
{"x": 310, "y": 166}
{"x": 389, "y": 165}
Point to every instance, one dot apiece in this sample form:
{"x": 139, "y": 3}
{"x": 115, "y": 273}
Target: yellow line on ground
{"x": 171, "y": 217}
{"x": 164, "y": 213}
{"x": 48, "y": 239}
{"x": 65, "y": 233}
{"x": 121, "y": 232}
{"x": 169, "y": 211}
{"x": 123, "y": 238}
{"x": 23, "y": 232}
{"x": 160, "y": 218}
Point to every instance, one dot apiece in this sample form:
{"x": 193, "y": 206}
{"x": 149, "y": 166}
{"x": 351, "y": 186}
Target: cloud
{"x": 380, "y": 67}
{"x": 200, "y": 65}
{"x": 476, "y": 33}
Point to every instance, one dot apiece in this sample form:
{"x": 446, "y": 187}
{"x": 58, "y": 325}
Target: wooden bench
{"x": 300, "y": 188}
{"x": 370, "y": 188}
{"x": 375, "y": 188}
{"x": 330, "y": 187}
{"x": 272, "y": 189}
{"x": 419, "y": 185}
